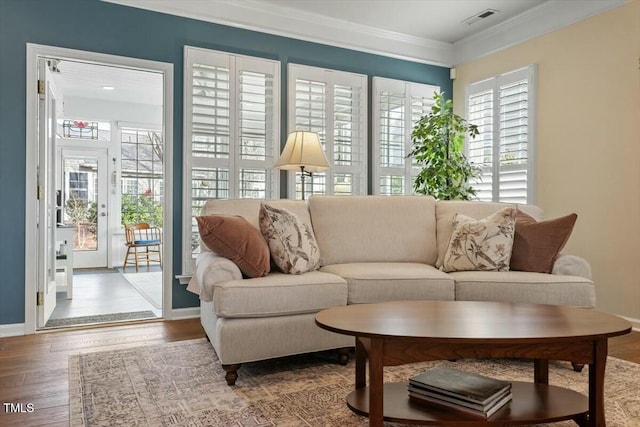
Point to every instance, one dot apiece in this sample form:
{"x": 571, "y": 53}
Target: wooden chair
{"x": 144, "y": 243}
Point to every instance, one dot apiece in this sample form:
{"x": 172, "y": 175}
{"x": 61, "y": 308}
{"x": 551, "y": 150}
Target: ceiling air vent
{"x": 480, "y": 16}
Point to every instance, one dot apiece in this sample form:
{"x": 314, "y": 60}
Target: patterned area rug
{"x": 182, "y": 384}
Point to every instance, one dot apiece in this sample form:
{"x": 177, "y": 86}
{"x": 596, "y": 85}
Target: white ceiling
{"x": 430, "y": 31}
{"x": 86, "y": 80}
{"x": 438, "y": 20}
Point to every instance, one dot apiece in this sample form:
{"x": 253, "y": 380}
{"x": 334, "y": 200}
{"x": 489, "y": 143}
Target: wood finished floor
{"x": 34, "y": 368}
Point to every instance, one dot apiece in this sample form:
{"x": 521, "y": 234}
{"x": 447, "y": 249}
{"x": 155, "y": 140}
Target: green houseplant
{"x": 438, "y": 140}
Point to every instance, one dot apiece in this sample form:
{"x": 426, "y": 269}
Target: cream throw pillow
{"x": 483, "y": 245}
{"x": 293, "y": 246}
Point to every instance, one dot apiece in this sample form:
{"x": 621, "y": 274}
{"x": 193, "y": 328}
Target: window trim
{"x": 234, "y": 62}
{"x": 528, "y": 73}
{"x": 330, "y": 78}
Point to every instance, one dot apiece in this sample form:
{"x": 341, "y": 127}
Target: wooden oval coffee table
{"x": 395, "y": 333}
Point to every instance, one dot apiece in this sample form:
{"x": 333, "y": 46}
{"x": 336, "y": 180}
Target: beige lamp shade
{"x": 303, "y": 150}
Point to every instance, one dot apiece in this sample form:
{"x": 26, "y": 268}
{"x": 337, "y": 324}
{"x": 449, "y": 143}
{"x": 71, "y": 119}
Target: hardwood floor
{"x": 34, "y": 368}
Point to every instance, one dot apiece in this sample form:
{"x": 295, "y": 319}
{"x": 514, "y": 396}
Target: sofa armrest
{"x": 571, "y": 265}
{"x": 211, "y": 269}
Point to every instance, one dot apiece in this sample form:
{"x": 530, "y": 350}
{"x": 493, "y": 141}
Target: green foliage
{"x": 438, "y": 141}
{"x": 142, "y": 208}
{"x": 81, "y": 212}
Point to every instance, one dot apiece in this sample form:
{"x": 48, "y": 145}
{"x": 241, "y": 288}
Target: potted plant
{"x": 438, "y": 140}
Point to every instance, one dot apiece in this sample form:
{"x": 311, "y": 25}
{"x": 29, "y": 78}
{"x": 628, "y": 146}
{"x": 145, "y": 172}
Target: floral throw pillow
{"x": 481, "y": 244}
{"x": 292, "y": 245}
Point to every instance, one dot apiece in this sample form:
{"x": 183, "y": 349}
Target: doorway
{"x": 87, "y": 191}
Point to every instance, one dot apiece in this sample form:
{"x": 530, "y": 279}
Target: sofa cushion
{"x": 374, "y": 228}
{"x": 536, "y": 245}
{"x": 391, "y": 281}
{"x": 292, "y": 244}
{"x": 233, "y": 237}
{"x": 279, "y": 294}
{"x": 523, "y": 287}
{"x": 483, "y": 244}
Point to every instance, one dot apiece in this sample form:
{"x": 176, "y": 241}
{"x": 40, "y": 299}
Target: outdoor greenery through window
{"x": 141, "y": 176}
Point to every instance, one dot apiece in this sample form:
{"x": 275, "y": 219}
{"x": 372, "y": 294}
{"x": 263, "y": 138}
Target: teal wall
{"x": 102, "y": 27}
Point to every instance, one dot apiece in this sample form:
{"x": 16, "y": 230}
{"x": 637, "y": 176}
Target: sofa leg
{"x": 577, "y": 366}
{"x": 343, "y": 355}
{"x": 232, "y": 373}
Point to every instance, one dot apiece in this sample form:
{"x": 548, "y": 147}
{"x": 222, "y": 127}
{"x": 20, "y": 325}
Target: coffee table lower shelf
{"x": 532, "y": 403}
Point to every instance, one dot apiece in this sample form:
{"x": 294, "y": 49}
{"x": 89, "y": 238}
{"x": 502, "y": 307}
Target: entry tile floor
{"x": 100, "y": 292}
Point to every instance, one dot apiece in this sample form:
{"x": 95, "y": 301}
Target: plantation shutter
{"x": 513, "y": 142}
{"x": 480, "y": 149}
{"x": 334, "y": 105}
{"x": 503, "y": 109}
{"x": 231, "y": 133}
{"x": 398, "y": 105}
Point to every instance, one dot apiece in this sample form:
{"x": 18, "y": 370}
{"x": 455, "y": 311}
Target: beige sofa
{"x": 373, "y": 249}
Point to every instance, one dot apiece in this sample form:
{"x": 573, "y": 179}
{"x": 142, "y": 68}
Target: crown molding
{"x": 281, "y": 21}
{"x": 549, "y": 16}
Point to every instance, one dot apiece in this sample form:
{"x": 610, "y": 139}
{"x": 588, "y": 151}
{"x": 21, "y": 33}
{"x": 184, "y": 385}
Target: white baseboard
{"x": 12, "y": 330}
{"x": 183, "y": 313}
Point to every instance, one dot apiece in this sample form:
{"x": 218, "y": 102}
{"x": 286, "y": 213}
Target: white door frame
{"x": 34, "y": 51}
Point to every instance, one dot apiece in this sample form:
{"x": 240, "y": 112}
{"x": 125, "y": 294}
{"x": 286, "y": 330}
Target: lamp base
{"x": 303, "y": 176}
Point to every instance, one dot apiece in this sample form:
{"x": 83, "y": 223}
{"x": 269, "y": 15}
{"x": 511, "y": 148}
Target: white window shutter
{"x": 231, "y": 133}
{"x": 513, "y": 142}
{"x": 480, "y": 149}
{"x": 398, "y": 105}
{"x": 503, "y": 108}
{"x": 334, "y": 105}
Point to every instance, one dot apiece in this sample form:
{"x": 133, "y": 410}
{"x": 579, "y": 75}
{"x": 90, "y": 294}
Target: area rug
{"x": 182, "y": 384}
{"x": 148, "y": 284}
{"x": 99, "y": 318}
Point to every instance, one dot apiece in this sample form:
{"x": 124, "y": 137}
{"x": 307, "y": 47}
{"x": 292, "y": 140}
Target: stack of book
{"x": 473, "y": 394}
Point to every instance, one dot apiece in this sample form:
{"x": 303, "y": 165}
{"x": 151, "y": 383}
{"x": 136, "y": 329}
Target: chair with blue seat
{"x": 144, "y": 243}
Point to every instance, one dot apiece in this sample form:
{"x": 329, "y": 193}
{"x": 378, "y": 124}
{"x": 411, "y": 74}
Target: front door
{"x": 85, "y": 204}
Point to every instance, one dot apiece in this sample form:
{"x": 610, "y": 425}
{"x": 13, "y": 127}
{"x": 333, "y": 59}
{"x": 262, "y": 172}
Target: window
{"x": 504, "y": 110}
{"x": 83, "y": 130}
{"x": 334, "y": 105}
{"x": 141, "y": 176}
{"x": 232, "y": 133}
{"x": 397, "y": 105}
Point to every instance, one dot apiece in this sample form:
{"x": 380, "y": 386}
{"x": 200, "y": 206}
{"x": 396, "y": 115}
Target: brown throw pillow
{"x": 233, "y": 237}
{"x": 536, "y": 245}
